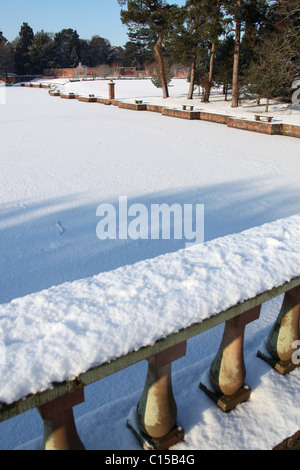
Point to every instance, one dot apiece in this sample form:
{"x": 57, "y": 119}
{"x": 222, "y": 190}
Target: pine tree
{"x": 156, "y": 80}
{"x": 199, "y": 22}
{"x": 183, "y": 43}
{"x": 276, "y": 55}
{"x": 7, "y": 57}
{"x": 215, "y": 27}
{"x": 224, "y": 63}
{"x": 22, "y": 57}
{"x": 67, "y": 44}
{"x": 155, "y": 15}
{"x": 241, "y": 14}
{"x": 137, "y": 50}
{"x": 39, "y": 52}
{"x": 234, "y": 9}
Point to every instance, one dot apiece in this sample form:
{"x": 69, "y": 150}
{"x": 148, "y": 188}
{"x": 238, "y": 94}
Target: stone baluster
{"x": 156, "y": 412}
{"x": 283, "y": 339}
{"x": 228, "y": 372}
{"x": 60, "y": 431}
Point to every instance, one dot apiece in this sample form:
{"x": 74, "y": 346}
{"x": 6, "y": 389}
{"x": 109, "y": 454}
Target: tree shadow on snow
{"x": 51, "y": 242}
{"x": 54, "y": 241}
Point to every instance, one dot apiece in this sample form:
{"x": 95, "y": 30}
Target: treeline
{"x": 233, "y": 43}
{"x": 31, "y": 53}
{"x": 236, "y": 43}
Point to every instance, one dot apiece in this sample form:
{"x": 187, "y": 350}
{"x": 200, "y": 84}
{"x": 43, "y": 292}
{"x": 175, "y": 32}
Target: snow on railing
{"x": 59, "y": 340}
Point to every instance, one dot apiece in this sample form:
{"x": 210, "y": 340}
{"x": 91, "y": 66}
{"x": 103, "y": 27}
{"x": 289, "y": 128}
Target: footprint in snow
{"x": 60, "y": 229}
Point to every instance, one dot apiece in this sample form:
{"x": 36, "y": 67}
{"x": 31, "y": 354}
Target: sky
{"x": 88, "y": 17}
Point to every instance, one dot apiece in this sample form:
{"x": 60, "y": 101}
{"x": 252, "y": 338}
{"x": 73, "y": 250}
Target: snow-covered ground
{"x": 61, "y": 159}
{"x": 127, "y": 90}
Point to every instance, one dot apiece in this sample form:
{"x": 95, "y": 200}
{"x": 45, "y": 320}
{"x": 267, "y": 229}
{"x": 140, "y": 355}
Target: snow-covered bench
{"x": 59, "y": 340}
{"x": 259, "y": 117}
{"x": 187, "y": 106}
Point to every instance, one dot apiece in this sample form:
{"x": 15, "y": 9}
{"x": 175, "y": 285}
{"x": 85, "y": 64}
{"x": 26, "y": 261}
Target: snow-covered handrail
{"x": 61, "y": 339}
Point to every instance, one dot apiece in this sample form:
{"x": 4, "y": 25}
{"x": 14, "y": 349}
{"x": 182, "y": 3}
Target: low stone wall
{"x": 255, "y": 126}
{"x": 115, "y": 102}
{"x": 290, "y": 130}
{"x": 212, "y": 117}
{"x": 69, "y": 96}
{"x": 88, "y": 99}
{"x": 182, "y": 114}
{"x": 269, "y": 128}
{"x": 133, "y": 106}
{"x": 54, "y": 93}
{"x": 155, "y": 108}
{"x": 103, "y": 101}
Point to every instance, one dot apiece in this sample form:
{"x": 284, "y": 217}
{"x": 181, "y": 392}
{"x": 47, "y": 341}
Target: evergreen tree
{"x": 155, "y": 15}
{"x": 137, "y": 50}
{"x": 116, "y": 55}
{"x": 156, "y": 79}
{"x": 22, "y": 57}
{"x": 224, "y": 63}
{"x": 100, "y": 51}
{"x": 213, "y": 15}
{"x": 67, "y": 45}
{"x": 255, "y": 15}
{"x": 198, "y": 23}
{"x": 276, "y": 59}
{"x": 7, "y": 57}
{"x": 184, "y": 41}
{"x": 40, "y": 52}
{"x": 242, "y": 14}
{"x": 234, "y": 10}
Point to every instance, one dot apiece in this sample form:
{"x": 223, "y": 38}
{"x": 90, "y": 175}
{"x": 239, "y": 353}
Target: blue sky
{"x": 88, "y": 17}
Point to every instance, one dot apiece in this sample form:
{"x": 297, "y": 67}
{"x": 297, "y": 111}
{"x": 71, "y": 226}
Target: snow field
{"x": 59, "y": 160}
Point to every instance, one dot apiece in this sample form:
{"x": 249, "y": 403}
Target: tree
{"x": 234, "y": 10}
{"x": 99, "y": 50}
{"x": 116, "y": 55}
{"x": 95, "y": 51}
{"x": 104, "y": 70}
{"x": 156, "y": 15}
{"x": 214, "y": 28}
{"x": 276, "y": 59}
{"x": 242, "y": 14}
{"x": 224, "y": 63}
{"x": 137, "y": 50}
{"x": 255, "y": 16}
{"x": 272, "y": 72}
{"x": 183, "y": 42}
{"x": 7, "y": 57}
{"x": 200, "y": 73}
{"x": 22, "y": 57}
{"x": 156, "y": 79}
{"x": 40, "y": 52}
{"x": 198, "y": 23}
{"x": 287, "y": 27}
{"x": 67, "y": 45}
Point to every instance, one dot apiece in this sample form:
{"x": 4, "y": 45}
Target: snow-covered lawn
{"x": 61, "y": 159}
{"x": 127, "y": 90}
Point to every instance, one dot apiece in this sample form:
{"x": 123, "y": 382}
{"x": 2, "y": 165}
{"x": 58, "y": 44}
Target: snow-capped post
{"x": 111, "y": 90}
{"x": 284, "y": 336}
{"x": 156, "y": 412}
{"x": 228, "y": 372}
{"x": 60, "y": 431}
